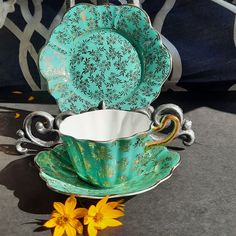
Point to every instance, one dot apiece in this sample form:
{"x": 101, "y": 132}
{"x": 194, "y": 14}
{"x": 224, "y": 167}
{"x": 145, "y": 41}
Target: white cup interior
{"x": 104, "y": 125}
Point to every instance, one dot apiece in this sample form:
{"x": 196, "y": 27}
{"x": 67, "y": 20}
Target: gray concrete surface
{"x": 198, "y": 200}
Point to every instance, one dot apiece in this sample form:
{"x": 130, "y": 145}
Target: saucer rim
{"x": 41, "y": 174}
{"x": 112, "y": 195}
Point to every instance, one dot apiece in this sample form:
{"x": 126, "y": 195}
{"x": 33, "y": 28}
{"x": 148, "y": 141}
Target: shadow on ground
{"x": 22, "y": 177}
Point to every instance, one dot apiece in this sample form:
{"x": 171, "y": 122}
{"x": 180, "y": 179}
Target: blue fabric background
{"x": 202, "y": 31}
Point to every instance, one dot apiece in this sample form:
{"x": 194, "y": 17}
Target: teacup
{"x": 107, "y": 147}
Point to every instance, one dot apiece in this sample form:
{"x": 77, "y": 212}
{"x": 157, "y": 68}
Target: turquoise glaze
{"x": 57, "y": 171}
{"x": 104, "y": 53}
{"x": 108, "y": 163}
{"x": 107, "y": 147}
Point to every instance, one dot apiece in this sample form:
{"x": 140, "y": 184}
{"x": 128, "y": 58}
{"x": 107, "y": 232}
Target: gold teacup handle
{"x": 163, "y": 124}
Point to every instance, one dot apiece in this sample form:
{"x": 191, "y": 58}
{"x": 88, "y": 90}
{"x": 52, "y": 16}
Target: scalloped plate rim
{"x": 150, "y": 25}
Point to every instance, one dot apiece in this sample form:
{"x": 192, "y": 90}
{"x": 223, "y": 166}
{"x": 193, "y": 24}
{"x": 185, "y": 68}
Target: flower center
{"x": 62, "y": 220}
{"x": 98, "y": 217}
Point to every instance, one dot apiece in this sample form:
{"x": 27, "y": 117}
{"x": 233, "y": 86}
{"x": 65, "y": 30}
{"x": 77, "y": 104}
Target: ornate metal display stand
{"x": 50, "y": 125}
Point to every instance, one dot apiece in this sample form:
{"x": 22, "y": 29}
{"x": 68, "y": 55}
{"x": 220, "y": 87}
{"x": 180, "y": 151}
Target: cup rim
{"x": 114, "y": 139}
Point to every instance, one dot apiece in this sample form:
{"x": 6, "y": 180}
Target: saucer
{"x": 104, "y": 53}
{"x": 59, "y": 175}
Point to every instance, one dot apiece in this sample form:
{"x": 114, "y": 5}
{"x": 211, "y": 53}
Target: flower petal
{"x": 55, "y": 214}
{"x": 111, "y": 222}
{"x": 102, "y": 202}
{"x": 87, "y": 220}
{"x": 58, "y": 231}
{"x": 77, "y": 225}
{"x": 70, "y": 231}
{"x": 100, "y": 225}
{"x": 59, "y": 207}
{"x": 17, "y": 115}
{"x": 109, "y": 212}
{"x": 31, "y": 98}
{"x": 92, "y": 211}
{"x": 121, "y": 201}
{"x": 79, "y": 213}
{"x": 107, "y": 223}
{"x": 92, "y": 231}
{"x": 116, "y": 204}
{"x": 50, "y": 223}
{"x": 121, "y": 208}
{"x": 70, "y": 205}
{"x": 113, "y": 204}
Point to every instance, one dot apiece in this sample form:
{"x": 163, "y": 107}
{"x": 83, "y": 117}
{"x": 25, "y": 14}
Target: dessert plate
{"x": 59, "y": 175}
{"x": 104, "y": 53}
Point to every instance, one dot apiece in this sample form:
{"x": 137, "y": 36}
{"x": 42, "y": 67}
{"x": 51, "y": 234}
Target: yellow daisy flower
{"x": 102, "y": 216}
{"x": 65, "y": 218}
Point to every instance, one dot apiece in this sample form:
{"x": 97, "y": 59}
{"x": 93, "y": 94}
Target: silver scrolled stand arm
{"x": 51, "y": 126}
